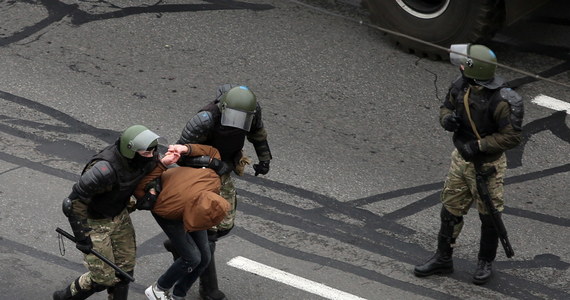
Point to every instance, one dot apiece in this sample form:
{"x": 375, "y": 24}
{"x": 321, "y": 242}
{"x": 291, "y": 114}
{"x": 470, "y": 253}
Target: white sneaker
{"x": 153, "y": 292}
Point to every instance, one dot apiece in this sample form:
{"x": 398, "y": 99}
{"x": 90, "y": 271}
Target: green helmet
{"x": 479, "y": 62}
{"x": 137, "y": 138}
{"x": 238, "y": 107}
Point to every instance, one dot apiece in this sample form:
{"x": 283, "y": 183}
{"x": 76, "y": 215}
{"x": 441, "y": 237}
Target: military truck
{"x": 446, "y": 22}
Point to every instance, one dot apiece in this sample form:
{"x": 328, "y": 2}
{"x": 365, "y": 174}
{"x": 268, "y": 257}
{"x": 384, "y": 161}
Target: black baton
{"x": 101, "y": 257}
{"x": 483, "y": 190}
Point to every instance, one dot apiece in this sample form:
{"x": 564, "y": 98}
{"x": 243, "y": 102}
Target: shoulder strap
{"x": 466, "y": 104}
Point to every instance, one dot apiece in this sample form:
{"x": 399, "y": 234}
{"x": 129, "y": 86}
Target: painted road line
{"x": 290, "y": 279}
{"x": 551, "y": 103}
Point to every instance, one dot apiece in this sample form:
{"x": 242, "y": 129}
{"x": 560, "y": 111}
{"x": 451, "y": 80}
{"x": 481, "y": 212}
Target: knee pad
{"x": 449, "y": 225}
{"x": 450, "y": 219}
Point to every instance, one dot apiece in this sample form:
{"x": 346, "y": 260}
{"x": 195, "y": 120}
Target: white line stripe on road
{"x": 551, "y": 103}
{"x": 290, "y": 279}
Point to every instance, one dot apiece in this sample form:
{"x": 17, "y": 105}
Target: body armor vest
{"x": 482, "y": 107}
{"x": 228, "y": 140}
{"x": 111, "y": 203}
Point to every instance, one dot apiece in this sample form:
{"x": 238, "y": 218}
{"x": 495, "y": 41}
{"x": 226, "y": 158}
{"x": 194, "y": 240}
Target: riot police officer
{"x": 485, "y": 117}
{"x": 225, "y": 123}
{"x": 97, "y": 212}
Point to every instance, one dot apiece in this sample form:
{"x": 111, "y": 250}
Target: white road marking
{"x": 551, "y": 103}
{"x": 290, "y": 279}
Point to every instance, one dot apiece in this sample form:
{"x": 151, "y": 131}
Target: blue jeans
{"x": 194, "y": 252}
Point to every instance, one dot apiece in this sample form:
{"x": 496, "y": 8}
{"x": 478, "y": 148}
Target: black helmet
{"x": 238, "y": 107}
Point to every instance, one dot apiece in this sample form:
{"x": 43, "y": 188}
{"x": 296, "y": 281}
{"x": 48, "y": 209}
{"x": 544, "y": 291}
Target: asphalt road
{"x": 351, "y": 201}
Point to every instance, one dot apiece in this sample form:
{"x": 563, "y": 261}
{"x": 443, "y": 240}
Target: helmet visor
{"x": 144, "y": 141}
{"x": 458, "y": 54}
{"x": 237, "y": 118}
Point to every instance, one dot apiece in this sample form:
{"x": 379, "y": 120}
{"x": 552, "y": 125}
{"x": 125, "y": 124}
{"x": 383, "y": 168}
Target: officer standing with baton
{"x": 485, "y": 117}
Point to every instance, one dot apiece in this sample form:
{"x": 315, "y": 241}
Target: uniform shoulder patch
{"x": 104, "y": 168}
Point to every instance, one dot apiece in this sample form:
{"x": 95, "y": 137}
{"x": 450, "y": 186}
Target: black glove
{"x": 84, "y": 245}
{"x": 451, "y": 122}
{"x": 219, "y": 166}
{"x": 147, "y": 201}
{"x": 261, "y": 168}
{"x": 154, "y": 184}
{"x": 469, "y": 150}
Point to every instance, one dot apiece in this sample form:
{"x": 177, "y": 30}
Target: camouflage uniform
{"x": 114, "y": 238}
{"x": 460, "y": 188}
{"x": 228, "y": 192}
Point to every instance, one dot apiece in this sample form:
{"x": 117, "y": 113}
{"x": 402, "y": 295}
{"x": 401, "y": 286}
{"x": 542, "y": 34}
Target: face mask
{"x": 140, "y": 161}
{"x": 148, "y": 152}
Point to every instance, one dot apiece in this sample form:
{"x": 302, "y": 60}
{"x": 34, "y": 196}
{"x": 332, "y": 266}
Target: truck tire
{"x": 442, "y": 22}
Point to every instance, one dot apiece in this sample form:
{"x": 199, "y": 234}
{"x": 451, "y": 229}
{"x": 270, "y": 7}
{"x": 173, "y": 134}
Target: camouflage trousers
{"x": 114, "y": 238}
{"x": 228, "y": 192}
{"x": 460, "y": 188}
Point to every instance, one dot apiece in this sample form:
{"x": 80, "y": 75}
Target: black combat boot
{"x": 120, "y": 291}
{"x": 441, "y": 262}
{"x": 62, "y": 294}
{"x": 487, "y": 250}
{"x": 483, "y": 272}
{"x": 209, "y": 281}
{"x": 65, "y": 294}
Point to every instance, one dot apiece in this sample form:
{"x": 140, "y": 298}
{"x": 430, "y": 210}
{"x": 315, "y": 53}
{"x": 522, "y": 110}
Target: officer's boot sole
{"x": 482, "y": 281}
{"x": 440, "y": 271}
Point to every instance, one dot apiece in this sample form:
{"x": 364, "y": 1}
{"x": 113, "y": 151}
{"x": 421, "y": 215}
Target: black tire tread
{"x": 487, "y": 22}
